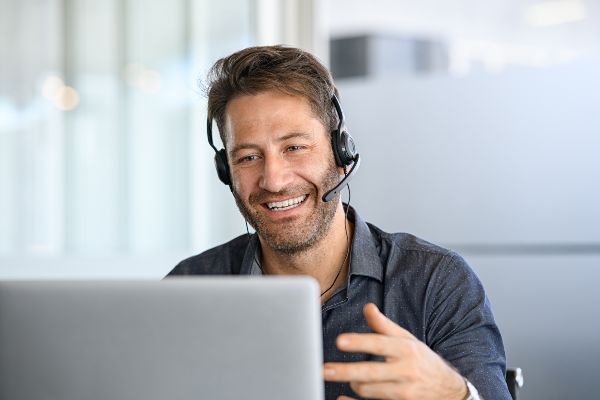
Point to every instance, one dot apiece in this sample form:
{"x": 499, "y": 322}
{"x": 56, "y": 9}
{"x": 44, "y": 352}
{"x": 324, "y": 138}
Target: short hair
{"x": 257, "y": 69}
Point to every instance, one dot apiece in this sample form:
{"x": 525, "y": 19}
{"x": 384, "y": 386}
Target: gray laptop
{"x": 192, "y": 338}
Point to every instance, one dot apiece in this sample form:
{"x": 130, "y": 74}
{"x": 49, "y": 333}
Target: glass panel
{"x": 102, "y": 126}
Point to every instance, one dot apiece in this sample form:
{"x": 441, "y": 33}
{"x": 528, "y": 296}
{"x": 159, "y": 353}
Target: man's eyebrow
{"x": 293, "y": 135}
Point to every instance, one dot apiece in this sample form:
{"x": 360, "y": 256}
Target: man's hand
{"x": 411, "y": 370}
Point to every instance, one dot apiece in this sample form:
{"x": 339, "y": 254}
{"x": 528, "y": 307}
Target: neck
{"x": 323, "y": 261}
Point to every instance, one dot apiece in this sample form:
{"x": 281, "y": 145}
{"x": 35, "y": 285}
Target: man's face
{"x": 281, "y": 164}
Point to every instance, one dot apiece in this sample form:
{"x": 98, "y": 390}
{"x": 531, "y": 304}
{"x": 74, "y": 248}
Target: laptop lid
{"x": 191, "y": 338}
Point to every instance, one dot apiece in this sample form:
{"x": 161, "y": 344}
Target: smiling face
{"x": 281, "y": 165}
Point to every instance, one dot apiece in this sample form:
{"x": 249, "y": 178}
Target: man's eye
{"x": 248, "y": 158}
{"x": 295, "y": 148}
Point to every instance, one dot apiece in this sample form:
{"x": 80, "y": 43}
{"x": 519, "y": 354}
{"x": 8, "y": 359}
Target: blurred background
{"x": 478, "y": 123}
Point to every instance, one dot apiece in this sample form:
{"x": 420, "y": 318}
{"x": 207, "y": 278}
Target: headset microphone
{"x": 344, "y": 151}
{"x": 337, "y": 188}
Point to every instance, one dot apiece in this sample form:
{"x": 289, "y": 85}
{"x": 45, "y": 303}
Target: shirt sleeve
{"x": 462, "y": 330}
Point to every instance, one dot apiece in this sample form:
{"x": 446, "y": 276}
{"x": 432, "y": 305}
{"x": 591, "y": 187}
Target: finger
{"x": 361, "y": 371}
{"x": 379, "y": 390}
{"x": 371, "y": 343}
{"x": 345, "y": 398}
{"x": 382, "y": 324}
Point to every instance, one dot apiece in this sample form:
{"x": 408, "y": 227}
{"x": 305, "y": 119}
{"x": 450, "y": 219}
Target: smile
{"x": 286, "y": 204}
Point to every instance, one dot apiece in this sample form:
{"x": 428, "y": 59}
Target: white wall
{"x": 509, "y": 158}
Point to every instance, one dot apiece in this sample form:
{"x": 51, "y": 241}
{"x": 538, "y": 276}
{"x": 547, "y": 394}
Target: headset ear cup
{"x": 222, "y": 167}
{"x": 348, "y": 148}
{"x": 344, "y": 148}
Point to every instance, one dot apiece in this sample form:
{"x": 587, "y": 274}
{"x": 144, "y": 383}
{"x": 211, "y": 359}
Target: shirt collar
{"x": 364, "y": 260}
{"x": 249, "y": 263}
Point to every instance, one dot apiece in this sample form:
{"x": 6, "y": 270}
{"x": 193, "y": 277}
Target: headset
{"x": 342, "y": 144}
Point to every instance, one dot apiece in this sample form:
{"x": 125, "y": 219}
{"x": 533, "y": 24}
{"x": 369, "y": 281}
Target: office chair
{"x": 514, "y": 380}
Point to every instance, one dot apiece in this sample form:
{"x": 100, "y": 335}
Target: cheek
{"x": 331, "y": 165}
{"x": 243, "y": 182}
{"x": 238, "y": 186}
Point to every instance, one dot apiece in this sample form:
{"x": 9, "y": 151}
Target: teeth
{"x": 286, "y": 203}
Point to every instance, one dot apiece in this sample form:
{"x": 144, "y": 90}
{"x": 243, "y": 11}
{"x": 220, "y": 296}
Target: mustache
{"x": 263, "y": 196}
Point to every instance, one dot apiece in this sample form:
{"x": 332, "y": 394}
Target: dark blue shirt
{"x": 428, "y": 290}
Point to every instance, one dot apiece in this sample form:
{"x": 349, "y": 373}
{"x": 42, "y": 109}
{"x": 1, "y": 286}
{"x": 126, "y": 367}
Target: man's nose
{"x": 276, "y": 174}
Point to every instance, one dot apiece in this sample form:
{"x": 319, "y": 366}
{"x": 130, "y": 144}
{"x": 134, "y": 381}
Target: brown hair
{"x": 257, "y": 69}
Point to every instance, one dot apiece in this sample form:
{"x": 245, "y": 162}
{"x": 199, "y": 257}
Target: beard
{"x": 291, "y": 236}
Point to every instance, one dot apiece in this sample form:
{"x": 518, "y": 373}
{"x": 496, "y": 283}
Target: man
{"x": 402, "y": 318}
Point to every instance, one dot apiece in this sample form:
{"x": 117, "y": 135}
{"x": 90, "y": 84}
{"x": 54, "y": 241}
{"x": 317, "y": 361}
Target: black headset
{"x": 342, "y": 144}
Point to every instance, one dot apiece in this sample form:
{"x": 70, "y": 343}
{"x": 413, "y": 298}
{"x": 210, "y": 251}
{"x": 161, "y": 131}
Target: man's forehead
{"x": 266, "y": 98}
{"x": 271, "y": 108}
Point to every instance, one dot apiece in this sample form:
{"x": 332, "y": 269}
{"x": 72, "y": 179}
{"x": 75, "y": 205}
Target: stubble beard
{"x": 293, "y": 237}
